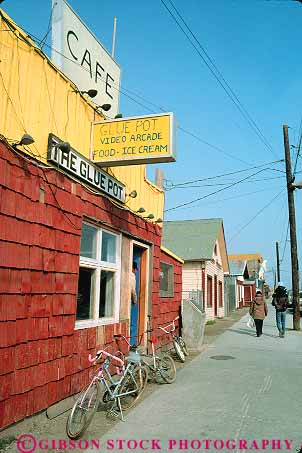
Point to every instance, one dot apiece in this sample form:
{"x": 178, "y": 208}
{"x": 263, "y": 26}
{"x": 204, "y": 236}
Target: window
{"x": 209, "y": 292}
{"x": 166, "y": 279}
{"x": 215, "y": 250}
{"x": 99, "y": 277}
{"x": 220, "y": 294}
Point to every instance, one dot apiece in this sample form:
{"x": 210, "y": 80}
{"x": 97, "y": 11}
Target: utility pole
{"x": 278, "y": 262}
{"x": 275, "y": 282}
{"x": 293, "y": 234}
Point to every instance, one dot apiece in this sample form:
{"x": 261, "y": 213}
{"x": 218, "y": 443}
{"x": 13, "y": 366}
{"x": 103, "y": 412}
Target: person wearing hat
{"x": 258, "y": 311}
{"x": 280, "y": 302}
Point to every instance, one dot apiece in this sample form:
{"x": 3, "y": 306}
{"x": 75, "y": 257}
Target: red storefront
{"x": 50, "y": 225}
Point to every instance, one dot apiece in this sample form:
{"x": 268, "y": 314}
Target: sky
{"x": 255, "y": 45}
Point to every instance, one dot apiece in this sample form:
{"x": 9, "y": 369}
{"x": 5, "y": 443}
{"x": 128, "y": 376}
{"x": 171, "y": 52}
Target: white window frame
{"x": 98, "y": 266}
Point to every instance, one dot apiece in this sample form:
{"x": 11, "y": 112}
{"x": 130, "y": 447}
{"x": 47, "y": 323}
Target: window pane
{"x": 108, "y": 247}
{"x": 166, "y": 283}
{"x": 165, "y": 276}
{"x": 85, "y": 294}
{"x": 106, "y": 294}
{"x": 88, "y": 241}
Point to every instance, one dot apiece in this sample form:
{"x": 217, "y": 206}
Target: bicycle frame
{"x": 131, "y": 381}
{"x": 141, "y": 355}
{"x": 176, "y": 339}
{"x": 132, "y": 347}
{"x": 159, "y": 364}
{"x": 172, "y": 330}
{"x": 153, "y": 367}
{"x": 104, "y": 375}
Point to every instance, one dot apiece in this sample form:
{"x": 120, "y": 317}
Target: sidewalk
{"x": 240, "y": 387}
{"x": 221, "y": 325}
{"x": 253, "y": 394}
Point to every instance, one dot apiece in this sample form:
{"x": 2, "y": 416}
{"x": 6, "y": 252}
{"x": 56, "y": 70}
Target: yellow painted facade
{"x": 36, "y": 98}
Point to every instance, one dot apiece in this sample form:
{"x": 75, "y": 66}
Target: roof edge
{"x": 168, "y": 252}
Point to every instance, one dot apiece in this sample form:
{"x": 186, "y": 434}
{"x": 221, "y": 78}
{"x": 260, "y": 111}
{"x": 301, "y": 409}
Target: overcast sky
{"x": 255, "y": 45}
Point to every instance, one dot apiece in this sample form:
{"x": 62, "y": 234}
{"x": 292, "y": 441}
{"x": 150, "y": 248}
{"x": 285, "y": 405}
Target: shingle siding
{"x": 42, "y": 358}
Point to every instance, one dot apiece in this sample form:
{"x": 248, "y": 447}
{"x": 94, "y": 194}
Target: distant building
{"x": 201, "y": 244}
{"x": 255, "y": 265}
{"x": 241, "y": 288}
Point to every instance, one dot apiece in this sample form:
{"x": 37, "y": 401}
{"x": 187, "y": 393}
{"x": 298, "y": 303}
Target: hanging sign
{"x": 138, "y": 140}
{"x": 82, "y": 58}
{"x": 82, "y": 169}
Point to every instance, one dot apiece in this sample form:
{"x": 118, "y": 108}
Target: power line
{"x": 218, "y": 71}
{"x": 285, "y": 243}
{"x": 298, "y": 147}
{"x": 230, "y": 198}
{"x": 42, "y": 42}
{"x": 223, "y": 183}
{"x": 213, "y": 193}
{"x": 124, "y": 91}
{"x": 212, "y": 146}
{"x": 228, "y": 174}
{"x": 299, "y": 1}
{"x": 256, "y": 215}
{"x": 225, "y": 86}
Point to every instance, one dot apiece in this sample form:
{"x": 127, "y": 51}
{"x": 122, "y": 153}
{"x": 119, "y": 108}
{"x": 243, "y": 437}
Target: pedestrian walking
{"x": 258, "y": 311}
{"x": 280, "y": 302}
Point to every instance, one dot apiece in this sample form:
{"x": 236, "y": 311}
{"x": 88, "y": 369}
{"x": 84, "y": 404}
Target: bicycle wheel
{"x": 83, "y": 411}
{"x": 183, "y": 345}
{"x": 178, "y": 349}
{"x": 135, "y": 383}
{"x": 166, "y": 368}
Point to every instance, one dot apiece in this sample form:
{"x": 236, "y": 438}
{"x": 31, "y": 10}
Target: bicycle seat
{"x": 133, "y": 347}
{"x": 133, "y": 357}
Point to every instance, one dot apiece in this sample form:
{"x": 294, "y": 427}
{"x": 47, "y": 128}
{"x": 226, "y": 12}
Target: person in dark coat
{"x": 280, "y": 302}
{"x": 258, "y": 311}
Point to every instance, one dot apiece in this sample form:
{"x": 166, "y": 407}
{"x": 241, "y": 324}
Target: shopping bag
{"x": 250, "y": 323}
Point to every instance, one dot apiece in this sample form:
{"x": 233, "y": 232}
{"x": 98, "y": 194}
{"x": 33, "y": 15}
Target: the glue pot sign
{"x": 138, "y": 140}
{"x": 84, "y": 170}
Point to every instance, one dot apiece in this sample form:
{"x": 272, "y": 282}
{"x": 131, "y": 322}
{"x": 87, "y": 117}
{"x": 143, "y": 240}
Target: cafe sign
{"x": 84, "y": 170}
{"x": 82, "y": 57}
{"x": 130, "y": 141}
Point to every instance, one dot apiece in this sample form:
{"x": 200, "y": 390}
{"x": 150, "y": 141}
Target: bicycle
{"x": 162, "y": 368}
{"x": 123, "y": 392}
{"x": 178, "y": 342}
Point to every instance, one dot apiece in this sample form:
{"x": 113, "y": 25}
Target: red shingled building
{"x": 43, "y": 348}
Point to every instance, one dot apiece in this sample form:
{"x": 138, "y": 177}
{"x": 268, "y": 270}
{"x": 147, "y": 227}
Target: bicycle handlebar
{"x": 171, "y": 324}
{"x": 119, "y": 336}
{"x": 106, "y": 354}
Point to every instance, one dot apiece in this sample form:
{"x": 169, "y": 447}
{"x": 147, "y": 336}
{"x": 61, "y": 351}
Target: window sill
{"x": 165, "y": 295}
{"x": 93, "y": 323}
